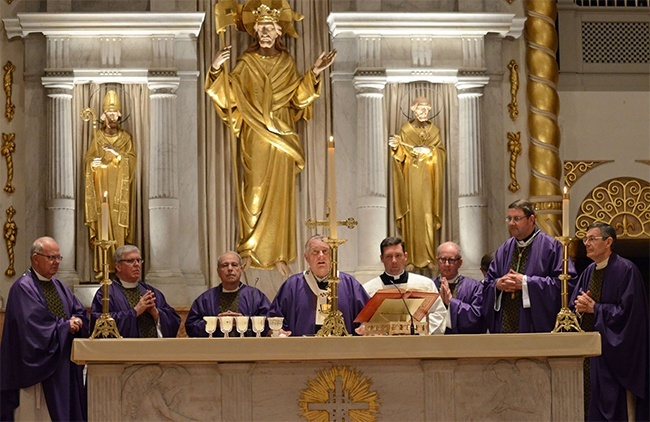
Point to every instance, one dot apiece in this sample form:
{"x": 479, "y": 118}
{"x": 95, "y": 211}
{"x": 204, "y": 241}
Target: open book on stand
{"x": 388, "y": 312}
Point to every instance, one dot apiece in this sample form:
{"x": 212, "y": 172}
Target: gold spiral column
{"x": 543, "y": 109}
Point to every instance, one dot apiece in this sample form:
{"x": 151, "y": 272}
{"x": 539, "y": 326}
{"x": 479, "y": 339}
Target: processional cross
{"x": 334, "y": 325}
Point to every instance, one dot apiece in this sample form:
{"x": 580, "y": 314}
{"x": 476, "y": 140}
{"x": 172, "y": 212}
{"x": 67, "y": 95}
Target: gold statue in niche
{"x": 418, "y": 180}
{"x": 110, "y": 171}
{"x": 263, "y": 98}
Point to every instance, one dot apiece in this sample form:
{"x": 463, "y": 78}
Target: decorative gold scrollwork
{"x": 513, "y": 107}
{"x": 8, "y": 81}
{"x": 514, "y": 148}
{"x": 624, "y": 203}
{"x": 10, "y": 232}
{"x": 341, "y": 391}
{"x": 8, "y": 147}
{"x": 643, "y": 161}
{"x": 574, "y": 170}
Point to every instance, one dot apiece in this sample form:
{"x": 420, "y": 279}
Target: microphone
{"x": 401, "y": 295}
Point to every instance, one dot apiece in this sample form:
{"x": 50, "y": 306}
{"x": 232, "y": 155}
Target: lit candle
{"x": 103, "y": 229}
{"x": 565, "y": 213}
{"x": 331, "y": 182}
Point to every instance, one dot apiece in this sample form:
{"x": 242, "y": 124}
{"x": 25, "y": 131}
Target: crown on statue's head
{"x": 265, "y": 14}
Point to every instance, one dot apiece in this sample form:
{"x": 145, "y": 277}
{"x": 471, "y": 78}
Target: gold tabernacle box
{"x": 388, "y": 312}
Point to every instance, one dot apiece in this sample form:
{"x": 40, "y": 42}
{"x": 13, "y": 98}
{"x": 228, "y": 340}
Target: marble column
{"x": 60, "y": 190}
{"x": 372, "y": 144}
{"x": 164, "y": 257}
{"x": 472, "y": 203}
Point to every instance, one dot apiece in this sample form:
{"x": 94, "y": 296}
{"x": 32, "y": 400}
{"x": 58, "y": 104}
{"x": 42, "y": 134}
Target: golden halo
{"x": 286, "y": 16}
{"x": 320, "y": 397}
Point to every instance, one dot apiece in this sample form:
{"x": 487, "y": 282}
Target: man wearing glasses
{"x": 462, "y": 296}
{"x": 139, "y": 309}
{"x": 394, "y": 258}
{"x": 41, "y": 320}
{"x": 521, "y": 293}
{"x": 610, "y": 299}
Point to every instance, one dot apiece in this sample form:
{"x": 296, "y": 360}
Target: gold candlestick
{"x": 566, "y": 319}
{"x": 105, "y": 325}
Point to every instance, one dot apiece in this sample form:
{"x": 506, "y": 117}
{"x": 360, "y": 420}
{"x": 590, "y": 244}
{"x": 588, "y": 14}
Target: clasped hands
{"x": 445, "y": 291}
{"x": 75, "y": 324}
{"x": 147, "y": 303}
{"x": 584, "y": 303}
{"x": 511, "y": 282}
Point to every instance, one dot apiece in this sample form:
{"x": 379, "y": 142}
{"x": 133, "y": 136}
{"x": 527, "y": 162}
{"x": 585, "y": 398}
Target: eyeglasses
{"x": 132, "y": 261}
{"x": 515, "y": 219}
{"x": 229, "y": 264}
{"x": 51, "y": 258}
{"x": 590, "y": 239}
{"x": 449, "y": 260}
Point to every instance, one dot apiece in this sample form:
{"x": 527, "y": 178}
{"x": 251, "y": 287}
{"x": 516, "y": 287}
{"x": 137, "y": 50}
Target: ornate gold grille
{"x": 623, "y": 202}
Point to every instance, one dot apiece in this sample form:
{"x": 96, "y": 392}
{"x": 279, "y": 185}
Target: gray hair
{"x": 239, "y": 259}
{"x": 455, "y": 245}
{"x": 123, "y": 250}
{"x": 37, "y": 246}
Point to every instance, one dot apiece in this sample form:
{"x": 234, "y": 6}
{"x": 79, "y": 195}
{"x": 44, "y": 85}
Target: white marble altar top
{"x": 335, "y": 348}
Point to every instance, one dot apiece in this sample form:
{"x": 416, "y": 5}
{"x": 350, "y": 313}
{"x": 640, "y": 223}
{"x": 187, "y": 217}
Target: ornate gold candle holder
{"x": 566, "y": 320}
{"x": 105, "y": 325}
{"x": 334, "y": 324}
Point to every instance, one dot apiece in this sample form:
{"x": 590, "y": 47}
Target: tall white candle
{"x": 565, "y": 213}
{"x": 103, "y": 228}
{"x": 331, "y": 184}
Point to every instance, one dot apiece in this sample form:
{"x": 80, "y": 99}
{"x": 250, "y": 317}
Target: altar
{"x": 415, "y": 378}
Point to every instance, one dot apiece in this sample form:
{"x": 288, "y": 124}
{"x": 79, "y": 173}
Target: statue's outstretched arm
{"x": 324, "y": 61}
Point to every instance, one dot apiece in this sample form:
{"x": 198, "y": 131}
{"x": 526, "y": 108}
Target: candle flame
{"x": 330, "y": 143}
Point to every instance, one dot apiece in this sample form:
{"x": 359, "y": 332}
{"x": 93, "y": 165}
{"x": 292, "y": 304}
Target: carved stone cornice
{"x": 574, "y": 170}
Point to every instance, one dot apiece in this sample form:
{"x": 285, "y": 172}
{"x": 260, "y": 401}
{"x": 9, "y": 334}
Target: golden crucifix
{"x": 334, "y": 325}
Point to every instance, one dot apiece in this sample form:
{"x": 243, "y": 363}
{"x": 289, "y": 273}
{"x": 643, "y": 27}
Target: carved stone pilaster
{"x": 60, "y": 189}
{"x": 164, "y": 213}
{"x": 472, "y": 203}
{"x": 372, "y": 144}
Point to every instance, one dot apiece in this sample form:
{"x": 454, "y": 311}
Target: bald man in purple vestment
{"x": 41, "y": 320}
{"x": 463, "y": 296}
{"x": 611, "y": 299}
{"x": 300, "y": 297}
{"x": 139, "y": 309}
{"x": 521, "y": 292}
{"x": 231, "y": 297}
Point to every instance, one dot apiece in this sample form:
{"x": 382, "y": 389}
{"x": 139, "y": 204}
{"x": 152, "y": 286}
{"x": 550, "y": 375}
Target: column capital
{"x": 163, "y": 82}
{"x": 471, "y": 83}
{"x": 370, "y": 81}
{"x": 59, "y": 83}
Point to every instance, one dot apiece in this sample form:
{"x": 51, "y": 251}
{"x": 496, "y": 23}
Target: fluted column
{"x": 164, "y": 257}
{"x": 472, "y": 204}
{"x": 60, "y": 189}
{"x": 372, "y": 145}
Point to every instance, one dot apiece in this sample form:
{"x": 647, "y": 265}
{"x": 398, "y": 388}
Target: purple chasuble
{"x": 297, "y": 304}
{"x": 621, "y": 318}
{"x": 125, "y": 316}
{"x": 543, "y": 267}
{"x": 36, "y": 348}
{"x": 465, "y": 308}
{"x": 252, "y": 302}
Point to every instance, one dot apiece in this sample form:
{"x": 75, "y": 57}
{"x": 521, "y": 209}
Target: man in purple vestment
{"x": 463, "y": 296}
{"x": 300, "y": 297}
{"x": 41, "y": 320}
{"x": 139, "y": 309}
{"x": 231, "y": 297}
{"x": 610, "y": 298}
{"x": 521, "y": 292}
